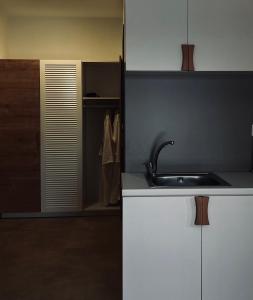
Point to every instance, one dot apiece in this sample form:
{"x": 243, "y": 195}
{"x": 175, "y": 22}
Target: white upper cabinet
{"x": 155, "y": 31}
{"x": 222, "y": 32}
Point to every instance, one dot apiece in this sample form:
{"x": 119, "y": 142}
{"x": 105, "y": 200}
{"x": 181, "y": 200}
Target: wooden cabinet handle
{"x": 201, "y": 210}
{"x": 187, "y": 57}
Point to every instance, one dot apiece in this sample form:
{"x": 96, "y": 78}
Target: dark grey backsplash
{"x": 209, "y": 115}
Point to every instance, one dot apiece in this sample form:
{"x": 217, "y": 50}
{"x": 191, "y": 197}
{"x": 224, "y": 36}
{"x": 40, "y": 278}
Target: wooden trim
{"x": 201, "y": 210}
{"x": 90, "y": 213}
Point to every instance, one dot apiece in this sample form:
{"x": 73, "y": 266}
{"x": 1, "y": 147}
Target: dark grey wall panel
{"x": 209, "y": 115}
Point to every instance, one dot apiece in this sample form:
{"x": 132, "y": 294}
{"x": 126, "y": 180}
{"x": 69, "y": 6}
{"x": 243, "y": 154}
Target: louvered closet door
{"x": 61, "y": 137}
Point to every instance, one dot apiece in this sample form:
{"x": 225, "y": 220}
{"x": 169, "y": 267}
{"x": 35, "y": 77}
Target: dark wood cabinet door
{"x": 19, "y": 136}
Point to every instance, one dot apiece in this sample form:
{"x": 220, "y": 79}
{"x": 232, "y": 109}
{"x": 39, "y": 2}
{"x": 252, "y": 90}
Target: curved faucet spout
{"x": 153, "y": 162}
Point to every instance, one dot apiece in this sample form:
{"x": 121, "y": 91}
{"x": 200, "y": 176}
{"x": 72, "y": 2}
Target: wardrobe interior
{"x": 101, "y": 134}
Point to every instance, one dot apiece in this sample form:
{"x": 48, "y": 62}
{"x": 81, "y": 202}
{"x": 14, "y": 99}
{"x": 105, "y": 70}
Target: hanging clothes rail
{"x": 100, "y": 106}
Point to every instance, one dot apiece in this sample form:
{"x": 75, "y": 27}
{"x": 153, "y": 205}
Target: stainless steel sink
{"x": 186, "y": 179}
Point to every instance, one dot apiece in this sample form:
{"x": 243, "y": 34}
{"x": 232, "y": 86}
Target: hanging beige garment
{"x": 107, "y": 149}
{"x": 116, "y": 138}
{"x": 115, "y": 189}
{"x": 107, "y": 161}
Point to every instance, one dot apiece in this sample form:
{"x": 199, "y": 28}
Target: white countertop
{"x": 241, "y": 183}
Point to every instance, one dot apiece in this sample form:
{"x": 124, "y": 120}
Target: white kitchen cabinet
{"x": 161, "y": 249}
{"x": 227, "y": 249}
{"x": 222, "y": 32}
{"x": 166, "y": 256}
{"x": 155, "y": 31}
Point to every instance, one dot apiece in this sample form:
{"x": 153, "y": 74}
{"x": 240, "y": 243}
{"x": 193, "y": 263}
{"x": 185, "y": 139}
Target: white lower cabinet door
{"x": 161, "y": 249}
{"x": 227, "y": 252}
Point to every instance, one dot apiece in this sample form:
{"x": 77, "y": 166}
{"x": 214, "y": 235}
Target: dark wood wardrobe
{"x": 20, "y": 136}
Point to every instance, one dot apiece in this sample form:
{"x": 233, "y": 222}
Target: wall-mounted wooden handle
{"x": 187, "y": 57}
{"x": 201, "y": 210}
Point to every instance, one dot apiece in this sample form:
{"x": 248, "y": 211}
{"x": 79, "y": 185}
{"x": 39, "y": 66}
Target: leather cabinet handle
{"x": 201, "y": 210}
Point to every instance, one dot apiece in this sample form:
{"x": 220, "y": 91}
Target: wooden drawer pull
{"x": 201, "y": 210}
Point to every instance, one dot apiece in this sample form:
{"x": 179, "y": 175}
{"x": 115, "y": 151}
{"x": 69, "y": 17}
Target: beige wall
{"x": 64, "y": 38}
{"x": 2, "y": 36}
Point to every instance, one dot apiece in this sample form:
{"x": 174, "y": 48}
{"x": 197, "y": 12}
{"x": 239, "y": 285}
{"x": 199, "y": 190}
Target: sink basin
{"x": 186, "y": 179}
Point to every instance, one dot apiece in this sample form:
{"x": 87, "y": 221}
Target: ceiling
{"x": 63, "y": 8}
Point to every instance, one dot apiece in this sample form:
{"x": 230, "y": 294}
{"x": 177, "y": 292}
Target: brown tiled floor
{"x": 61, "y": 259}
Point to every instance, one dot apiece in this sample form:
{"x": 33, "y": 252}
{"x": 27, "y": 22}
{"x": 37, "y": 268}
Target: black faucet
{"x": 152, "y": 164}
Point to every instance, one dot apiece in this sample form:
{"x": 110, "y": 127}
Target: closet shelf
{"x": 101, "y": 102}
{"x": 101, "y": 98}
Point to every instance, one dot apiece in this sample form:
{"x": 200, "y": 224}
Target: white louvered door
{"x": 61, "y": 136}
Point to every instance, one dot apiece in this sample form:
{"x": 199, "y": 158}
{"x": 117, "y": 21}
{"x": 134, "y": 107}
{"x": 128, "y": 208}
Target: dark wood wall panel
{"x": 19, "y": 136}
{"x": 19, "y": 74}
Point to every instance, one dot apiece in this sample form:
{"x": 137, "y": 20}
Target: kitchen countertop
{"x": 241, "y": 183}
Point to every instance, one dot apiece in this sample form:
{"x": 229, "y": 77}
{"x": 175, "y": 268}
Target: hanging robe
{"x": 107, "y": 160}
{"x": 115, "y": 189}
